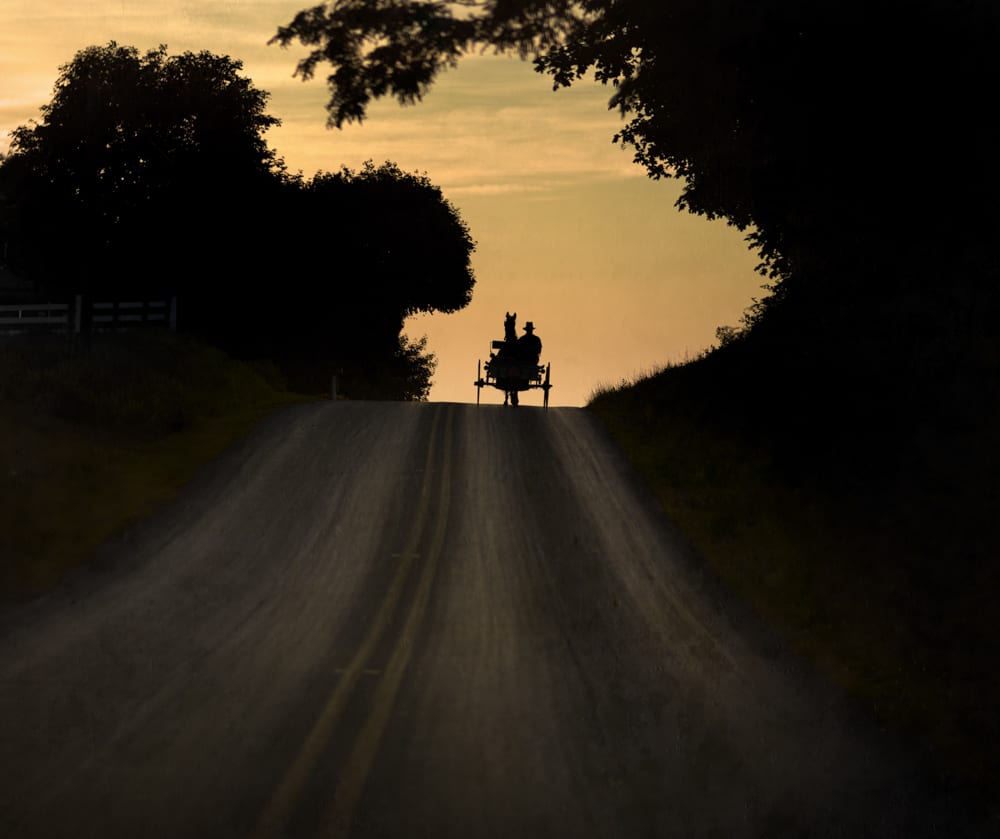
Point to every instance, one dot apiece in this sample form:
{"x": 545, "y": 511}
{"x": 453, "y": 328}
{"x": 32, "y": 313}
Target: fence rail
{"x": 35, "y": 314}
{"x": 29, "y": 317}
{"x": 131, "y": 312}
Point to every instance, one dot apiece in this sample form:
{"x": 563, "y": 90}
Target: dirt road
{"x": 425, "y": 620}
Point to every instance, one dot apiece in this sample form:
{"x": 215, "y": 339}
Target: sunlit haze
{"x": 570, "y": 233}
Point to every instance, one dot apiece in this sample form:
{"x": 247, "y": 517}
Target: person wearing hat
{"x": 529, "y": 345}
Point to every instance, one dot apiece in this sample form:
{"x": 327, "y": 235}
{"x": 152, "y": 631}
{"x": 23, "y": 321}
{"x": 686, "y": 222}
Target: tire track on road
{"x": 279, "y": 810}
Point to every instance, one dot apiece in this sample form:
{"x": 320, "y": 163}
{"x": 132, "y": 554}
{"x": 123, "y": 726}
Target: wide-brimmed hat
{"x": 529, "y": 326}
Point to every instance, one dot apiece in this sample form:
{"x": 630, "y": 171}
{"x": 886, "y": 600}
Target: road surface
{"x": 424, "y": 620}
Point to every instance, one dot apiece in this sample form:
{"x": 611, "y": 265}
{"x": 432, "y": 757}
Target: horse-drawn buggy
{"x": 513, "y": 365}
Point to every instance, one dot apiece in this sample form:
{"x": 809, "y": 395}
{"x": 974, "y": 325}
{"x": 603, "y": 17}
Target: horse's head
{"x": 510, "y": 327}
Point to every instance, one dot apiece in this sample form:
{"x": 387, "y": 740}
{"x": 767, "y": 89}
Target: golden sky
{"x": 570, "y": 233}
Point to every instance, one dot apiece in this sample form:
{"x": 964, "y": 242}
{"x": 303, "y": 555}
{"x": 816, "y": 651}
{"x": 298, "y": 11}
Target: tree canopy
{"x": 852, "y": 141}
{"x": 377, "y": 245}
{"x": 410, "y": 241}
{"x": 149, "y": 175}
{"x": 129, "y": 160}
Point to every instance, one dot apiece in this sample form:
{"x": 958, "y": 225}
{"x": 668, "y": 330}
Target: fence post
{"x": 173, "y": 314}
{"x": 77, "y": 314}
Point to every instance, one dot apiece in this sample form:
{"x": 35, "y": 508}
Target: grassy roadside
{"x": 90, "y": 443}
{"x": 888, "y": 587}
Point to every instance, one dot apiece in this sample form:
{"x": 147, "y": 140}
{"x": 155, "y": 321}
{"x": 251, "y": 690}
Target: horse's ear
{"x": 508, "y": 314}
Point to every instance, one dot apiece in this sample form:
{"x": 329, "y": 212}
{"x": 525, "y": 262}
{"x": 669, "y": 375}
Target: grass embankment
{"x": 878, "y": 564}
{"x": 91, "y": 442}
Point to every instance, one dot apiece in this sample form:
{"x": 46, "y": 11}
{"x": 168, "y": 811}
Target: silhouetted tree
{"x": 415, "y": 368}
{"x": 148, "y": 174}
{"x": 406, "y": 376}
{"x": 373, "y": 246}
{"x": 853, "y": 141}
{"x": 402, "y": 248}
{"x": 130, "y": 177}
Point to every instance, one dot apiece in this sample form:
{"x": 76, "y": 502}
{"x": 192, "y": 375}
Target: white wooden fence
{"x": 22, "y": 317}
{"x": 68, "y": 317}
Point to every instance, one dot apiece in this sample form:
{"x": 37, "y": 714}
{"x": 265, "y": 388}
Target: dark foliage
{"x": 355, "y": 254}
{"x": 128, "y": 178}
{"x": 853, "y": 142}
{"x": 380, "y": 245}
{"x": 148, "y": 175}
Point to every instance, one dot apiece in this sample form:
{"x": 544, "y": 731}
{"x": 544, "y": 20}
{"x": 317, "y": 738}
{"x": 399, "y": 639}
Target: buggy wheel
{"x": 546, "y": 386}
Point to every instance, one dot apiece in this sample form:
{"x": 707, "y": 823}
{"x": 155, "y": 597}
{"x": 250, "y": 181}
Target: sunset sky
{"x": 570, "y": 233}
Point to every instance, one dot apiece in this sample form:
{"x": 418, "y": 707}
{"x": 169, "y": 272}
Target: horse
{"x": 510, "y": 330}
{"x": 509, "y": 349}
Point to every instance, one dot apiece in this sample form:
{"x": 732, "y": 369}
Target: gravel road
{"x": 425, "y": 620}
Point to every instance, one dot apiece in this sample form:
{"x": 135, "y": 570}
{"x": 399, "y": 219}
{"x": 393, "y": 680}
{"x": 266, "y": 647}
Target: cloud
{"x": 512, "y": 130}
{"x": 496, "y": 189}
{"x": 492, "y": 124}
